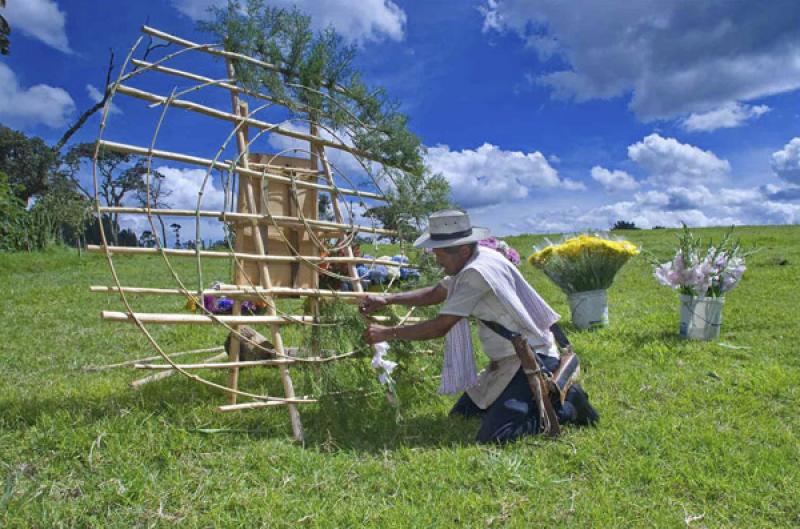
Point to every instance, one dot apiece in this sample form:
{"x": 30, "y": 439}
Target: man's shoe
{"x": 585, "y": 414}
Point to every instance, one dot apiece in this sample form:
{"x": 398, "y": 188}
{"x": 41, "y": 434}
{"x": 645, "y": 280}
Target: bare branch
{"x": 91, "y": 111}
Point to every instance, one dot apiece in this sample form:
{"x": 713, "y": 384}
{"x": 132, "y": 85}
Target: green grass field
{"x": 692, "y": 434}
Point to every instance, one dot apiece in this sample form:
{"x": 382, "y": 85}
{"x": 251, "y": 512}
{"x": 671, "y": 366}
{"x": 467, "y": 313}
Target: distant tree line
{"x": 44, "y": 201}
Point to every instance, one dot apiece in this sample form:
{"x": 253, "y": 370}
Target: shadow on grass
{"x": 367, "y": 425}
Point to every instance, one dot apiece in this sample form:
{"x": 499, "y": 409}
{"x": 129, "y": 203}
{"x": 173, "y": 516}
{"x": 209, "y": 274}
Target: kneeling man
{"x": 481, "y": 283}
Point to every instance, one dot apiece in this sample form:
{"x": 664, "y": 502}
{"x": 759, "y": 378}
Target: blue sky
{"x": 544, "y": 116}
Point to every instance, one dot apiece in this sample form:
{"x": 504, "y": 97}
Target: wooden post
{"x": 252, "y": 207}
{"x": 319, "y": 151}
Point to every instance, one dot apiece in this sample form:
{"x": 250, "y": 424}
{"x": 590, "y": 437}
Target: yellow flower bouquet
{"x": 583, "y": 267}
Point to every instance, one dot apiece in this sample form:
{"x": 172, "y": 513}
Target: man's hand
{"x": 378, "y": 333}
{"x": 372, "y": 304}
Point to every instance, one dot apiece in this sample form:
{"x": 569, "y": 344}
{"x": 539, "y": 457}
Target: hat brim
{"x": 425, "y": 241}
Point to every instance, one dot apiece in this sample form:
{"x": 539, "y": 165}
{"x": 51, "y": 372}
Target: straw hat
{"x": 448, "y": 228}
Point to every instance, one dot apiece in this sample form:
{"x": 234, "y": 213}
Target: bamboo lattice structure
{"x": 279, "y": 249}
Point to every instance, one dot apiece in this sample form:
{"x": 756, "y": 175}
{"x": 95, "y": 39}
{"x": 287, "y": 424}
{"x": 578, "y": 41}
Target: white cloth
{"x": 379, "y": 362}
{"x": 490, "y": 287}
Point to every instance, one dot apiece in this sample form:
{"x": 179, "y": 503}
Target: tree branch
{"x": 89, "y": 112}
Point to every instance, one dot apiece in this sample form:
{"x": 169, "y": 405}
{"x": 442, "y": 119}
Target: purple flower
{"x": 513, "y": 256}
{"x": 668, "y": 277}
{"x": 491, "y": 242}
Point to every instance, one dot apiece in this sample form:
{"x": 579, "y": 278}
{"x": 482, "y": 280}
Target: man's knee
{"x": 466, "y": 407}
{"x": 508, "y": 423}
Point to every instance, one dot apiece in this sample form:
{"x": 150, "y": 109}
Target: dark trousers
{"x": 514, "y": 413}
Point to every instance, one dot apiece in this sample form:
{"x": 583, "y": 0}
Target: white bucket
{"x": 701, "y": 317}
{"x": 589, "y": 309}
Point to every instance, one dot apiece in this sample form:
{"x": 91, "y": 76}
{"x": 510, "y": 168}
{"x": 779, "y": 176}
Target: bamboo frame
{"x": 250, "y": 175}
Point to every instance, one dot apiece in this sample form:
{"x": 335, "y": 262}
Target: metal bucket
{"x": 701, "y": 317}
{"x": 589, "y": 309}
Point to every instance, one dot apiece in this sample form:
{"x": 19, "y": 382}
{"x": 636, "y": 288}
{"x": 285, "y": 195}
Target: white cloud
{"x": 786, "y": 162}
{"x": 40, "y": 103}
{"x": 614, "y": 180}
{"x": 96, "y": 96}
{"x": 729, "y": 115}
{"x": 671, "y": 58}
{"x": 39, "y": 19}
{"x": 668, "y": 161}
{"x": 366, "y": 20}
{"x": 695, "y": 205}
{"x": 183, "y": 186}
{"x": 488, "y": 174}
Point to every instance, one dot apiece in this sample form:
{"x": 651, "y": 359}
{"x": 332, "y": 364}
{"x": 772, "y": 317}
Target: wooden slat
{"x": 200, "y": 79}
{"x": 132, "y": 250}
{"x": 199, "y": 319}
{"x": 264, "y": 404}
{"x": 169, "y": 318}
{"x": 207, "y": 162}
{"x": 218, "y": 365}
{"x": 245, "y": 293}
{"x": 280, "y": 220}
{"x": 166, "y": 374}
{"x": 221, "y": 53}
{"x": 227, "y": 116}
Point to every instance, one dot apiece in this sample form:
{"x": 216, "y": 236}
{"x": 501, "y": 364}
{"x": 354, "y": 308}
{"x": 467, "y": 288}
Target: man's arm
{"x": 427, "y": 330}
{"x": 414, "y": 298}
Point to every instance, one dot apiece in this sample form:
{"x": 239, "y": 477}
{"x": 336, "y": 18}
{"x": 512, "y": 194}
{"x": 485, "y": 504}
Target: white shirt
{"x": 474, "y": 297}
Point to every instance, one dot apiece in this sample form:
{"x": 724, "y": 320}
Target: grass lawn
{"x": 692, "y": 434}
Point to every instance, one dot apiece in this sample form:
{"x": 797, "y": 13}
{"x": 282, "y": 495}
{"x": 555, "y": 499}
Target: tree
{"x": 410, "y": 203}
{"x": 5, "y": 31}
{"x": 314, "y": 77}
{"x": 28, "y": 162}
{"x": 127, "y": 237}
{"x": 623, "y": 225}
{"x": 119, "y": 176}
{"x": 177, "y": 229}
{"x": 325, "y": 208}
{"x": 156, "y": 198}
{"x": 147, "y": 239}
{"x": 13, "y": 217}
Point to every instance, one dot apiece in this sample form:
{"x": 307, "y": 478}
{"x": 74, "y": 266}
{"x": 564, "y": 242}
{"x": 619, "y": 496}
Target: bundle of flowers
{"x": 503, "y": 247}
{"x": 702, "y": 270}
{"x": 583, "y": 263}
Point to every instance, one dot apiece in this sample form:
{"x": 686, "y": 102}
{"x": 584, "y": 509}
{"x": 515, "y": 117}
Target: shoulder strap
{"x": 558, "y": 334}
{"x": 499, "y": 329}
